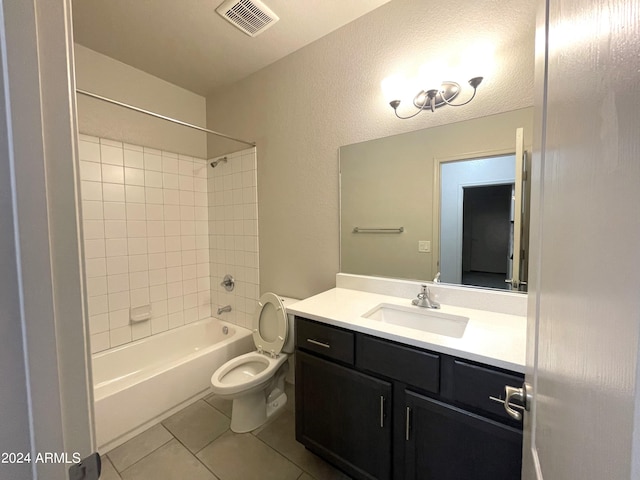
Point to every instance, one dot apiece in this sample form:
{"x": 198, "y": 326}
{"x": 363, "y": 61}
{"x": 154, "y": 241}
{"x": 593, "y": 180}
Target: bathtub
{"x": 141, "y": 383}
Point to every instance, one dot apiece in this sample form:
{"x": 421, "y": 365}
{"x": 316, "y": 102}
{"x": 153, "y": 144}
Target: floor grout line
{"x": 194, "y": 455}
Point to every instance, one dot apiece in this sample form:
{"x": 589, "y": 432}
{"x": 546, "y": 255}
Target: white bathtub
{"x": 143, "y": 382}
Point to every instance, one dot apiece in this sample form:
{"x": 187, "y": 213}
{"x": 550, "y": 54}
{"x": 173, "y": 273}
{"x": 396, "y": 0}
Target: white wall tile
{"x": 140, "y": 330}
{"x": 155, "y": 212}
{"x": 154, "y": 195}
{"x": 158, "y": 276}
{"x": 92, "y": 210}
{"x": 112, "y": 192}
{"x": 90, "y": 171}
{"x": 152, "y": 179}
{"x": 112, "y": 174}
{"x": 152, "y": 162}
{"x": 156, "y": 244}
{"x": 115, "y": 229}
{"x": 171, "y": 197}
{"x": 111, "y": 155}
{"x": 146, "y": 241}
{"x": 93, "y": 229}
{"x": 133, "y": 158}
{"x": 137, "y": 246}
{"x": 120, "y": 336}
{"x": 114, "y": 211}
{"x": 170, "y": 165}
{"x": 119, "y": 318}
{"x": 95, "y": 267}
{"x": 138, "y": 263}
{"x": 89, "y": 151}
{"x": 139, "y": 280}
{"x": 118, "y": 301}
{"x": 117, "y": 265}
{"x": 94, "y": 248}
{"x": 118, "y": 283}
{"x": 134, "y": 176}
{"x": 139, "y": 297}
{"x": 99, "y": 342}
{"x": 136, "y": 228}
{"x": 158, "y": 292}
{"x": 97, "y": 305}
{"x": 135, "y": 194}
{"x": 99, "y": 323}
{"x": 157, "y": 260}
{"x": 176, "y": 319}
{"x": 116, "y": 247}
{"x": 159, "y": 324}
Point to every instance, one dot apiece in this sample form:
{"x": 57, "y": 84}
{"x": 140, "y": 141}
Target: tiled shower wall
{"x": 146, "y": 236}
{"x": 233, "y": 235}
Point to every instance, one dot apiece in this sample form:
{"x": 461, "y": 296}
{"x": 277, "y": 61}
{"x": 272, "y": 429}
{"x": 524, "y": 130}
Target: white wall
{"x": 145, "y": 226}
{"x": 105, "y": 76}
{"x": 302, "y": 108}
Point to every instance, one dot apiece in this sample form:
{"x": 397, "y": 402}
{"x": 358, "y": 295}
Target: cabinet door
{"x": 447, "y": 443}
{"x": 344, "y": 416}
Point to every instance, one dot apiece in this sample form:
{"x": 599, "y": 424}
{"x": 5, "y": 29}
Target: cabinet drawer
{"x": 473, "y": 385}
{"x": 325, "y": 340}
{"x": 406, "y": 364}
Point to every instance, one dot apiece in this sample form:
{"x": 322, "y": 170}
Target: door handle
{"x": 407, "y": 424}
{"x": 523, "y": 395}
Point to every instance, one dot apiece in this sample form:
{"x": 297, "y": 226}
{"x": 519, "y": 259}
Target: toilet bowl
{"x": 255, "y": 380}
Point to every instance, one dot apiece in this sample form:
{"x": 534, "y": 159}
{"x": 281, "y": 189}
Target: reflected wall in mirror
{"x": 390, "y": 198}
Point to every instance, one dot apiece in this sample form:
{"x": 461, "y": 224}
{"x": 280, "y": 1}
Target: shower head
{"x": 215, "y": 163}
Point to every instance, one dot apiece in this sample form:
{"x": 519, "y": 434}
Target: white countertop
{"x": 491, "y": 338}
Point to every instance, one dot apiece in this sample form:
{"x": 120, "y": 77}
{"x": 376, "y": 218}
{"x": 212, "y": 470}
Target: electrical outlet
{"x": 424, "y": 246}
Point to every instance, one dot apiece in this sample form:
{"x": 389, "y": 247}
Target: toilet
{"x": 255, "y": 381}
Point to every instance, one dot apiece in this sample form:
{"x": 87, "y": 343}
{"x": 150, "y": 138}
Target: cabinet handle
{"x": 408, "y": 422}
{"x": 499, "y": 400}
{"x": 381, "y": 411}
{"x": 320, "y": 344}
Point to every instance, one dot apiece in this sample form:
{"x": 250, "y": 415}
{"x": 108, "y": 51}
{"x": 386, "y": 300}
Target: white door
{"x": 584, "y": 306}
{"x": 37, "y": 140}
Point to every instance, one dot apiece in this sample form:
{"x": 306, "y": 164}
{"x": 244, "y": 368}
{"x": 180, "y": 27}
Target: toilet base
{"x": 251, "y": 411}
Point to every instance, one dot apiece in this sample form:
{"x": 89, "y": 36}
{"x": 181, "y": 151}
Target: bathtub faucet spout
{"x": 226, "y": 308}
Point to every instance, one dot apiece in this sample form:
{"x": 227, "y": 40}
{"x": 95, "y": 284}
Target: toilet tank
{"x": 289, "y": 345}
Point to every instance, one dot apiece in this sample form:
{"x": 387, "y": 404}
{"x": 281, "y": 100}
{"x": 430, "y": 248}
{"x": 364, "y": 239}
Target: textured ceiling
{"x": 188, "y": 44}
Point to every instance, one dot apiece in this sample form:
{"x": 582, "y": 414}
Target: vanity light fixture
{"x": 438, "y": 97}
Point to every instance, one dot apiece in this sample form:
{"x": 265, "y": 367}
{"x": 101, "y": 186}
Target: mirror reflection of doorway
{"x": 487, "y": 235}
{"x": 479, "y": 254}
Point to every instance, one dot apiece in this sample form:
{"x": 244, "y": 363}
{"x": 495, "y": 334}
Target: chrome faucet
{"x": 226, "y": 308}
{"x": 423, "y": 299}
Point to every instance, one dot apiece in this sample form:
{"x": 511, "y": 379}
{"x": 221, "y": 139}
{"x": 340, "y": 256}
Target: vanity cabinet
{"x": 382, "y": 410}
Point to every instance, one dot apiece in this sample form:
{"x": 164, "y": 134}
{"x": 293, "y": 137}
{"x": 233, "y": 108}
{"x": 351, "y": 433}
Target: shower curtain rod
{"x": 163, "y": 117}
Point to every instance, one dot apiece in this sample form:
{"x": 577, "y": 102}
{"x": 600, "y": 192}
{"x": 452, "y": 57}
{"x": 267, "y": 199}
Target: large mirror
{"x": 449, "y": 199}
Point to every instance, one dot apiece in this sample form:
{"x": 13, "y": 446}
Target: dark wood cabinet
{"x": 344, "y": 415}
{"x": 444, "y": 442}
{"x": 380, "y": 410}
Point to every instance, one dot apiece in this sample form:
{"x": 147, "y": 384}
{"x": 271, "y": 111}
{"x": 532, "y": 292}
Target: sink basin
{"x": 423, "y": 319}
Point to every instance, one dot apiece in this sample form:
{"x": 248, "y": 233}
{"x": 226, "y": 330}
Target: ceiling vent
{"x": 251, "y": 16}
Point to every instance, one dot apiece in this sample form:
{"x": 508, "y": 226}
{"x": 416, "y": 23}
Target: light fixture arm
{"x": 474, "y": 82}
{"x": 395, "y": 103}
{"x": 435, "y": 98}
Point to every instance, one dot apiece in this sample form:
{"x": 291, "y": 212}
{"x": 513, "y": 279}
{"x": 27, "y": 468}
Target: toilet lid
{"x": 270, "y": 324}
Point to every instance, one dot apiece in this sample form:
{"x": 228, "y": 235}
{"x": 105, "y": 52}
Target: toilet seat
{"x": 245, "y": 372}
{"x": 270, "y": 325}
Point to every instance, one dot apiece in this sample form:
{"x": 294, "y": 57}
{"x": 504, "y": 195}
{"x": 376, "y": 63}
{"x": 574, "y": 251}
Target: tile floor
{"x": 196, "y": 444}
